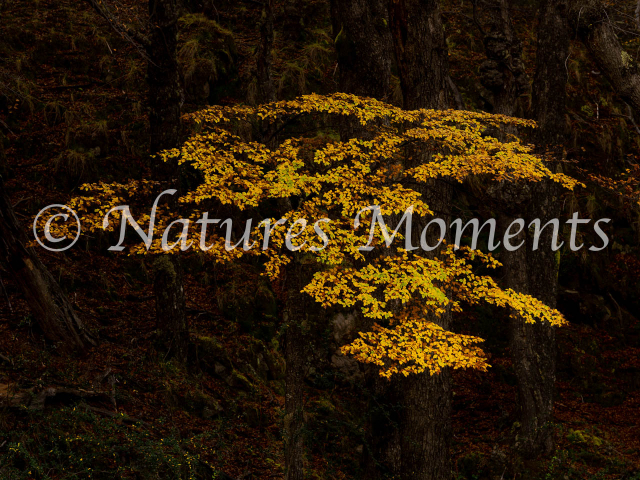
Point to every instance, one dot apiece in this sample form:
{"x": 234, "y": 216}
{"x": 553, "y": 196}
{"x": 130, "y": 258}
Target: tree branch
{"x": 134, "y": 37}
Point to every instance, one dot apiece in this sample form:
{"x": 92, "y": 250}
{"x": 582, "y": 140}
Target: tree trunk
{"x": 421, "y": 52}
{"x": 550, "y": 81}
{"x": 266, "y": 92}
{"x": 171, "y": 318}
{"x": 425, "y": 400}
{"x": 533, "y": 347}
{"x": 503, "y": 73}
{"x": 590, "y": 20}
{"x": 50, "y": 306}
{"x": 163, "y": 75}
{"x": 424, "y": 410}
{"x": 298, "y": 306}
{"x": 525, "y": 270}
{"x": 363, "y": 45}
{"x": 165, "y": 102}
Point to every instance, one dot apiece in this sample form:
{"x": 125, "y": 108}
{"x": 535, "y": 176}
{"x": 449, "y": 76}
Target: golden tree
{"x": 314, "y": 187}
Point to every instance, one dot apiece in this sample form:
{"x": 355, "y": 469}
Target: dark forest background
{"x": 110, "y": 369}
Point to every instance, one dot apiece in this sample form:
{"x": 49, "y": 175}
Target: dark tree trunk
{"x": 266, "y": 92}
{"x": 503, "y": 73}
{"x": 424, "y": 407}
{"x": 171, "y": 317}
{"x": 165, "y": 102}
{"x": 533, "y": 347}
{"x": 50, "y": 306}
{"x": 425, "y": 400}
{"x": 590, "y": 20}
{"x": 550, "y": 81}
{"x": 297, "y": 318}
{"x": 363, "y": 45}
{"x": 421, "y": 52}
{"x": 163, "y": 75}
{"x": 410, "y": 418}
{"x": 425, "y": 425}
{"x": 527, "y": 271}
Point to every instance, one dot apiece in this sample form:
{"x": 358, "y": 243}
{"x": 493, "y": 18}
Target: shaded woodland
{"x": 200, "y": 366}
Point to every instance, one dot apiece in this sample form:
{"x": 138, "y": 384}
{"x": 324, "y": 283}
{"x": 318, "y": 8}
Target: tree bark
{"x": 266, "y": 91}
{"x": 425, "y": 400}
{"x": 527, "y": 271}
{"x": 503, "y": 73}
{"x": 424, "y": 410}
{"x": 171, "y": 318}
{"x": 163, "y": 75}
{"x": 50, "y": 306}
{"x": 165, "y": 103}
{"x": 590, "y": 20}
{"x": 550, "y": 80}
{"x": 533, "y": 347}
{"x": 421, "y": 52}
{"x": 363, "y": 45}
{"x": 297, "y": 310}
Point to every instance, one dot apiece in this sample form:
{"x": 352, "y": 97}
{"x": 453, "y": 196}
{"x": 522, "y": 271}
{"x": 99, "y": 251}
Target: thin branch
{"x": 134, "y": 37}
{"x": 6, "y": 294}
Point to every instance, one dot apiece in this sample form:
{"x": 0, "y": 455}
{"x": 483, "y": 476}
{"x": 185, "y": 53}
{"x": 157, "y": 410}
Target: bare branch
{"x": 134, "y": 37}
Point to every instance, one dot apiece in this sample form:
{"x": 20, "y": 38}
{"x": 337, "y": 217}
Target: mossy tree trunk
{"x": 595, "y": 28}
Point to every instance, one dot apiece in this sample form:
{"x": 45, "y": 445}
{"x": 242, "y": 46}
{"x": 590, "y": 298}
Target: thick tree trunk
{"x": 425, "y": 426}
{"x": 527, "y": 271}
{"x": 50, "y": 306}
{"x": 424, "y": 410}
{"x": 163, "y": 75}
{"x": 503, "y": 73}
{"x": 590, "y": 20}
{"x": 533, "y": 347}
{"x": 425, "y": 400}
{"x": 421, "y": 52}
{"x": 298, "y": 306}
{"x": 165, "y": 102}
{"x": 550, "y": 81}
{"x": 364, "y": 48}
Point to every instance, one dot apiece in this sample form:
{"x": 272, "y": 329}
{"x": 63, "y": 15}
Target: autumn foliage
{"x": 315, "y": 177}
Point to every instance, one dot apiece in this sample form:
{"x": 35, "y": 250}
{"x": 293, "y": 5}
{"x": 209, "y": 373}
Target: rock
{"x": 344, "y": 327}
{"x": 212, "y": 356}
{"x": 203, "y": 405}
{"x": 347, "y": 367}
{"x": 238, "y": 380}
